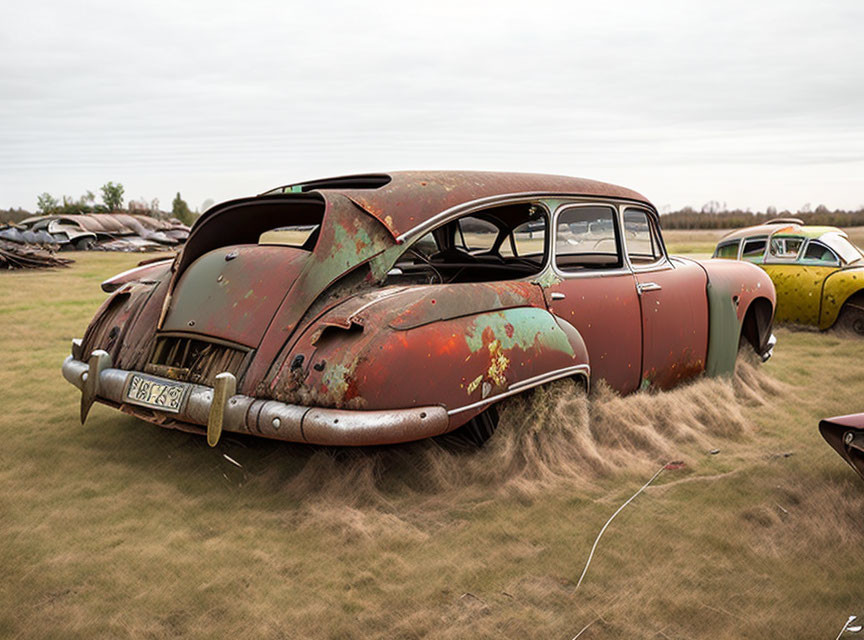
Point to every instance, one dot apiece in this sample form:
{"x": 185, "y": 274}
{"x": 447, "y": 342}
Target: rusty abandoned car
{"x": 818, "y": 273}
{"x": 386, "y": 308}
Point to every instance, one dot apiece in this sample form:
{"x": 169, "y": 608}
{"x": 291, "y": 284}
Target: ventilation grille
{"x": 193, "y": 360}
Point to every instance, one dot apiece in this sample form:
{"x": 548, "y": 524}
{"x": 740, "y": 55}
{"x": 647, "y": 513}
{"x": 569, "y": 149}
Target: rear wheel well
{"x": 856, "y": 299}
{"x": 481, "y": 427}
{"x": 756, "y": 326}
{"x": 851, "y": 316}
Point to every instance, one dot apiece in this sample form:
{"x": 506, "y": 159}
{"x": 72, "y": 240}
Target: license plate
{"x": 155, "y": 393}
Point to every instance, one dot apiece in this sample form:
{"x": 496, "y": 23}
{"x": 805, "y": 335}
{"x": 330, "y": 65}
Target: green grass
{"x": 119, "y": 528}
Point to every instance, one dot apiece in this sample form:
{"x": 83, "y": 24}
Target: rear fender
{"x": 463, "y": 363}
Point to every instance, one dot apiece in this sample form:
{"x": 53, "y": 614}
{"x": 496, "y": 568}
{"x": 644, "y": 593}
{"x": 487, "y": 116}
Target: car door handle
{"x": 642, "y": 287}
{"x": 557, "y": 295}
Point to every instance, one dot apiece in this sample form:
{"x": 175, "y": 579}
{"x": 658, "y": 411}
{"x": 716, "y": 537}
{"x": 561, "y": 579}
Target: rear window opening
{"x": 247, "y": 221}
{"x": 302, "y": 236}
{"x": 508, "y": 242}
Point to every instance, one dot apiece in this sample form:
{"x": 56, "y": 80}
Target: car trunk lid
{"x": 232, "y": 293}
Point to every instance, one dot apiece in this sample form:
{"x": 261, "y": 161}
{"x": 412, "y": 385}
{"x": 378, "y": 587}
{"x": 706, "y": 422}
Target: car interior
{"x": 507, "y": 242}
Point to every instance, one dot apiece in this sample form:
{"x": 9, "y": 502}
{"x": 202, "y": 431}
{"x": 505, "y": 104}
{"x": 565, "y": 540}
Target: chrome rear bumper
{"x": 220, "y": 409}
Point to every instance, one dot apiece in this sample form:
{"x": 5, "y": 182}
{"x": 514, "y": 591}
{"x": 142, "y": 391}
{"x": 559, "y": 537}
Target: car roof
{"x": 781, "y": 228}
{"x": 403, "y": 200}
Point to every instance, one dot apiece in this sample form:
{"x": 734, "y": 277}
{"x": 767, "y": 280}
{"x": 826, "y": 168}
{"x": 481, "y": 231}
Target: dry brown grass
{"x": 119, "y": 528}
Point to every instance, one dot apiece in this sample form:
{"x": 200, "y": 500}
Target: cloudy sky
{"x": 751, "y": 103}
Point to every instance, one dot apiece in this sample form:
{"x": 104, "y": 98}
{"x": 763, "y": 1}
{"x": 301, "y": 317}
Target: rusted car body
{"x": 817, "y": 273}
{"x": 395, "y": 307}
{"x": 846, "y": 435}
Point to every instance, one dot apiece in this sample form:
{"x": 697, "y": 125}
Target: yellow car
{"x": 818, "y": 273}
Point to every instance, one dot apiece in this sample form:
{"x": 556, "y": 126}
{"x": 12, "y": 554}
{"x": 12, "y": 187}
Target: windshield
{"x": 847, "y": 251}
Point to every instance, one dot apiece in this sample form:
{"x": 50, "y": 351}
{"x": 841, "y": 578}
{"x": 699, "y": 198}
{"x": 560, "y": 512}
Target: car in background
{"x": 817, "y": 272}
{"x": 383, "y": 308}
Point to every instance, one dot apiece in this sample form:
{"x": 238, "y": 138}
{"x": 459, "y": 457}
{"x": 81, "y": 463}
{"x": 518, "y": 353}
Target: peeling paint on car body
{"x": 307, "y": 330}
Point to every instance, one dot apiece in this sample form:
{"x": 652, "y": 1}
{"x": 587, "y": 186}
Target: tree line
{"x": 716, "y": 216}
{"x": 112, "y": 199}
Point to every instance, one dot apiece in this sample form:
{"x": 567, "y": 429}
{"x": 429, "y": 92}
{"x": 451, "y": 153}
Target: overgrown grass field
{"x": 121, "y": 529}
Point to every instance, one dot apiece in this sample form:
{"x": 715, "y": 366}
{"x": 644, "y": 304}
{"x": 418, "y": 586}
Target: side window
{"x": 469, "y": 248}
{"x": 475, "y": 235}
{"x": 818, "y": 253}
{"x": 754, "y": 249}
{"x": 640, "y": 238}
{"x": 426, "y": 245}
{"x": 728, "y": 250}
{"x": 785, "y": 248}
{"x": 587, "y": 238}
{"x": 528, "y": 238}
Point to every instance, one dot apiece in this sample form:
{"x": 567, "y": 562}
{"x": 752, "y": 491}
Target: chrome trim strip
{"x": 519, "y": 387}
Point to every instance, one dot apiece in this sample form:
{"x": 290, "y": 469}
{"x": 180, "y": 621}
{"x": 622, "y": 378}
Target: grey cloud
{"x": 204, "y": 99}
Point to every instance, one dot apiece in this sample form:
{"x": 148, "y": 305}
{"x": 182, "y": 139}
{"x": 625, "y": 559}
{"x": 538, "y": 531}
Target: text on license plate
{"x": 159, "y": 394}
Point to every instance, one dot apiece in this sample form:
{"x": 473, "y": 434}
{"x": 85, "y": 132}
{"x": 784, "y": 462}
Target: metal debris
{"x": 18, "y": 256}
{"x": 232, "y": 460}
{"x": 103, "y": 231}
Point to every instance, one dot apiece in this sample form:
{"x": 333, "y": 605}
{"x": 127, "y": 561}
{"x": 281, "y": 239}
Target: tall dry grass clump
{"x": 555, "y": 434}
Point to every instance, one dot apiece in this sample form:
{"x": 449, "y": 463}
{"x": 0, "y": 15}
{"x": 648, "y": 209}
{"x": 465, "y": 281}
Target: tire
{"x": 477, "y": 431}
{"x": 851, "y": 320}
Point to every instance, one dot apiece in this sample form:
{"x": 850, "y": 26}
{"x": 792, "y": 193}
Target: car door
{"x": 673, "y": 301}
{"x": 798, "y": 281}
{"x": 596, "y": 292}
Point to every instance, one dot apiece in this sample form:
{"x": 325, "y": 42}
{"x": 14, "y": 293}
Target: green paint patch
{"x": 723, "y": 334}
{"x": 525, "y": 328}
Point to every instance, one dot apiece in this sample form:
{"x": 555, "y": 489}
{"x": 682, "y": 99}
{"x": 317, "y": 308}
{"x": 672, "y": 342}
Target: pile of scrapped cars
{"x": 102, "y": 231}
{"x": 24, "y": 256}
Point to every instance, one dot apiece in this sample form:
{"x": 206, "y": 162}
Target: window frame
{"x": 737, "y": 243}
{"x": 583, "y": 273}
{"x": 801, "y": 259}
{"x": 663, "y": 261}
{"x": 744, "y": 241}
{"x": 541, "y": 201}
{"x": 510, "y": 239}
{"x": 772, "y": 259}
